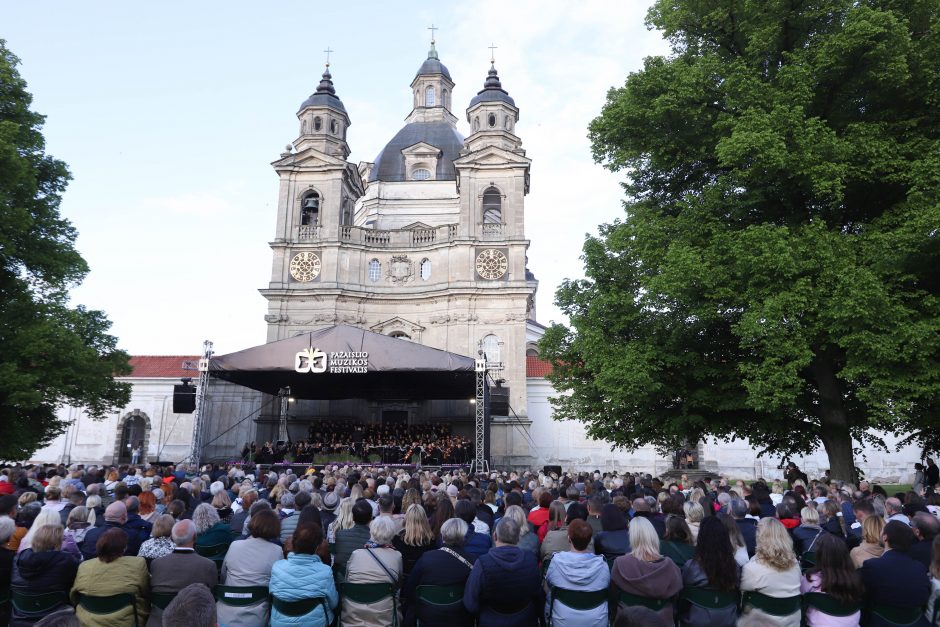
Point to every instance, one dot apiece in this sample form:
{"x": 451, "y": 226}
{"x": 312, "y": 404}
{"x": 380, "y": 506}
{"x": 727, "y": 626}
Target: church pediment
{"x": 492, "y": 155}
{"x": 398, "y": 327}
{"x": 421, "y": 149}
{"x": 415, "y": 226}
{"x": 309, "y": 158}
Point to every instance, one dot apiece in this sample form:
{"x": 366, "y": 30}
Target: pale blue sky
{"x": 170, "y": 113}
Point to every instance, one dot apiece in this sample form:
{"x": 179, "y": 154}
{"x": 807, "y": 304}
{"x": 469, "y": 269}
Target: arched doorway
{"x": 133, "y": 431}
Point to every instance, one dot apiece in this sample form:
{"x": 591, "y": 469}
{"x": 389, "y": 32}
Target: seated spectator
{"x": 160, "y": 543}
{"x": 446, "y": 566}
{"x": 193, "y": 606}
{"x": 504, "y": 587}
{"x": 113, "y": 573}
{"x": 595, "y": 506}
{"x": 556, "y": 520}
{"x": 556, "y": 537}
{"x": 415, "y": 539}
{"x": 343, "y": 520}
{"x": 578, "y": 569}
{"x": 926, "y": 527}
{"x": 528, "y": 539}
{"x": 210, "y": 531}
{"x": 835, "y": 575}
{"x": 539, "y": 515}
{"x": 349, "y": 540}
{"x": 171, "y": 573}
{"x": 614, "y": 540}
{"x": 644, "y": 572}
{"x": 378, "y": 562}
{"x": 95, "y": 509}
{"x": 114, "y": 518}
{"x": 773, "y": 571}
{"x": 44, "y": 567}
{"x": 148, "y": 507}
{"x": 286, "y": 508}
{"x": 871, "y": 541}
{"x": 7, "y": 526}
{"x": 934, "y": 579}
{"x": 712, "y": 566}
{"x": 807, "y": 534}
{"x": 894, "y": 511}
{"x": 138, "y": 529}
{"x": 221, "y": 501}
{"x": 476, "y": 543}
{"x": 895, "y": 578}
{"x": 748, "y": 526}
{"x": 242, "y": 508}
{"x": 49, "y": 517}
{"x": 830, "y": 518}
{"x": 53, "y": 499}
{"x": 737, "y": 540}
{"x": 249, "y": 563}
{"x": 694, "y": 514}
{"x": 78, "y": 524}
{"x": 677, "y": 542}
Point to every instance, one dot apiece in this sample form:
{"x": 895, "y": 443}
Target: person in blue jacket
{"x": 302, "y": 576}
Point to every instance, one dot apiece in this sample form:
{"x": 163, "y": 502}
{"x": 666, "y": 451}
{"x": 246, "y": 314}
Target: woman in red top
{"x": 539, "y": 515}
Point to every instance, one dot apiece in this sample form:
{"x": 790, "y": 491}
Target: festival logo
{"x": 316, "y": 361}
{"x": 310, "y": 360}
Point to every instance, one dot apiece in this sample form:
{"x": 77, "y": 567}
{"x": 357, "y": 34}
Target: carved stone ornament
{"x": 491, "y": 264}
{"x": 400, "y": 269}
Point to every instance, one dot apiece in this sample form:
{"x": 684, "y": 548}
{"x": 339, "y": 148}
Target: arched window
{"x": 310, "y": 209}
{"x": 491, "y": 120}
{"x": 531, "y": 352}
{"x": 420, "y": 174}
{"x": 375, "y": 270}
{"x": 317, "y": 123}
{"x": 492, "y": 206}
{"x": 490, "y": 345}
{"x": 425, "y": 269}
{"x": 429, "y": 96}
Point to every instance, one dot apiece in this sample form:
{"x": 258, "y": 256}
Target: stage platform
{"x": 300, "y": 469}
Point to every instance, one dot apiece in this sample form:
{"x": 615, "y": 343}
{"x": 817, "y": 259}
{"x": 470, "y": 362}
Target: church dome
{"x": 492, "y": 90}
{"x": 325, "y": 95}
{"x": 433, "y": 65}
{"x": 390, "y": 164}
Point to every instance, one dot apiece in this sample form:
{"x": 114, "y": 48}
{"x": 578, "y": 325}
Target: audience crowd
{"x": 376, "y": 546}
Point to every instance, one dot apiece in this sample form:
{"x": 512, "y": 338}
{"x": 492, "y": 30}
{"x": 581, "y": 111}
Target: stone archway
{"x": 133, "y": 428}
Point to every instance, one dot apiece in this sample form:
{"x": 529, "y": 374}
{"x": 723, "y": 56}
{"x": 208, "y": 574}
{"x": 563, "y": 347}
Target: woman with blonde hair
{"x": 528, "y": 541}
{"x": 49, "y": 517}
{"x": 411, "y": 496}
{"x": 344, "y": 520}
{"x": 26, "y": 498}
{"x": 774, "y": 572}
{"x": 694, "y": 513}
{"x": 78, "y": 524}
{"x": 112, "y": 480}
{"x": 415, "y": 539}
{"x": 223, "y": 505}
{"x": 159, "y": 543}
{"x": 644, "y": 572}
{"x": 95, "y": 510}
{"x": 871, "y": 541}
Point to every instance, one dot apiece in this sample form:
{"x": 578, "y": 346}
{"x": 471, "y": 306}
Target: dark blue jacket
{"x": 748, "y": 527}
{"x": 805, "y": 538}
{"x": 896, "y": 579}
{"x": 505, "y": 589}
{"x": 89, "y": 550}
{"x": 476, "y": 544}
{"x": 46, "y": 571}
{"x": 437, "y": 568}
{"x": 612, "y": 543}
{"x": 138, "y": 530}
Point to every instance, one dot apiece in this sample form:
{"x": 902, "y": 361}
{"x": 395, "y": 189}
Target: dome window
{"x": 375, "y": 270}
{"x": 420, "y": 174}
{"x": 491, "y": 120}
{"x": 317, "y": 123}
{"x": 429, "y": 96}
{"x": 310, "y": 209}
{"x": 425, "y": 269}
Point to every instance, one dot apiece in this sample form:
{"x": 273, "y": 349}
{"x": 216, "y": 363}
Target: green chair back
{"x": 808, "y": 560}
{"x": 545, "y": 564}
{"x": 578, "y": 599}
{"x": 213, "y": 552}
{"x": 678, "y": 552}
{"x": 298, "y": 607}
{"x": 775, "y": 606}
{"x": 161, "y": 599}
{"x": 108, "y": 604}
{"x": 442, "y": 598}
{"x": 828, "y": 605}
{"x": 34, "y": 605}
{"x": 240, "y": 596}
{"x": 710, "y": 598}
{"x": 656, "y": 605}
{"x": 897, "y": 616}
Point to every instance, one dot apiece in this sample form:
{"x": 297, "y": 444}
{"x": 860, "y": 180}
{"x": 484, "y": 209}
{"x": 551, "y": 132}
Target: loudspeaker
{"x": 499, "y": 401}
{"x": 552, "y": 469}
{"x": 184, "y": 399}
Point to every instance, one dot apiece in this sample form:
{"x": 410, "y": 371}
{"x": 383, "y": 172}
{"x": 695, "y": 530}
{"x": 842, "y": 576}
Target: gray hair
{"x": 382, "y": 529}
{"x": 7, "y": 527}
{"x": 193, "y": 606}
{"x": 162, "y": 526}
{"x": 507, "y": 531}
{"x": 287, "y": 500}
{"x": 453, "y": 532}
{"x": 183, "y": 533}
{"x": 204, "y": 517}
{"x": 739, "y": 508}
{"x": 132, "y": 503}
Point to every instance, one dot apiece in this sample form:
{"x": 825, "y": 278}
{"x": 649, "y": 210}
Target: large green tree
{"x": 776, "y": 275}
{"x": 50, "y": 353}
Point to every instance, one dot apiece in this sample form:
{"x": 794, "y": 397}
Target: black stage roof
{"x": 394, "y": 368}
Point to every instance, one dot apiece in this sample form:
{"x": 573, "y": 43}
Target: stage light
{"x": 291, "y": 399}
{"x": 473, "y": 401}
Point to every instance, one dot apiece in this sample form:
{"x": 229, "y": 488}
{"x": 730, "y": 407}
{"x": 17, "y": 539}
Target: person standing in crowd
{"x": 135, "y": 453}
{"x": 113, "y": 573}
{"x": 644, "y": 572}
{"x": 773, "y": 571}
{"x": 896, "y": 578}
{"x": 577, "y": 569}
{"x": 446, "y": 566}
{"x": 504, "y": 587}
{"x": 171, "y": 573}
{"x": 931, "y": 474}
{"x": 250, "y": 562}
{"x": 835, "y": 575}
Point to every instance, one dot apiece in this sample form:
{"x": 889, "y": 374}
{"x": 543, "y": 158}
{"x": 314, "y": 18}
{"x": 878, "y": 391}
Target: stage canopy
{"x": 347, "y": 362}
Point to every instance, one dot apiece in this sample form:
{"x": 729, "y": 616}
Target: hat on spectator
{"x": 158, "y": 494}
{"x": 330, "y": 501}
{"x": 382, "y": 490}
{"x": 452, "y": 490}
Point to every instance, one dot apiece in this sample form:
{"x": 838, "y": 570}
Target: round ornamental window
{"x": 420, "y": 174}
{"x": 491, "y": 264}
{"x": 305, "y": 267}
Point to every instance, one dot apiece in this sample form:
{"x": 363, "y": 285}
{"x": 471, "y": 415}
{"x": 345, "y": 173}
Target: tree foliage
{"x": 50, "y": 353}
{"x": 776, "y": 275}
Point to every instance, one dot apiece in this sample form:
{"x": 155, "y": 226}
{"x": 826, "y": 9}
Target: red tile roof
{"x": 165, "y": 366}
{"x": 535, "y": 367}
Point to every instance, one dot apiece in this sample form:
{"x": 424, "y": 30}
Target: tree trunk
{"x": 833, "y": 421}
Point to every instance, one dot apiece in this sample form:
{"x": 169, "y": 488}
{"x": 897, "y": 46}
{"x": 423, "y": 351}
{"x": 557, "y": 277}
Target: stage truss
{"x": 480, "y": 463}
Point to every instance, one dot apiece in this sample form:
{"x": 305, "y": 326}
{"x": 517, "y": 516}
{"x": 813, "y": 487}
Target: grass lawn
{"x": 893, "y": 488}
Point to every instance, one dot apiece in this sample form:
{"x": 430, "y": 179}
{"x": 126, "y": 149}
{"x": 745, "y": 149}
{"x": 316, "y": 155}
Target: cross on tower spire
{"x": 432, "y": 28}
{"x": 328, "y": 51}
{"x": 492, "y": 55}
